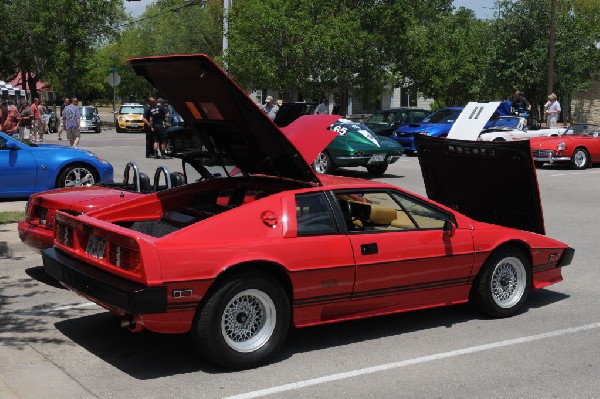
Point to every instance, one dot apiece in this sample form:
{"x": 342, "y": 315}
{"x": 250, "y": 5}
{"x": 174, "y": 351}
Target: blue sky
{"x": 482, "y": 8}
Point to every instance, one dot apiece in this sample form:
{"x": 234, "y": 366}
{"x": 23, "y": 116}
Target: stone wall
{"x": 585, "y": 106}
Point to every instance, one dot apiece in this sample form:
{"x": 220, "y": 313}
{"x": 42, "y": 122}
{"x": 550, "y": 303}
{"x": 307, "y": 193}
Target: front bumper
{"x": 548, "y": 156}
{"x": 137, "y": 126}
{"x": 102, "y": 287}
{"x": 364, "y": 160}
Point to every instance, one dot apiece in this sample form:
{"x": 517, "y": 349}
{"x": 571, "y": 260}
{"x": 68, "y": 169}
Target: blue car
{"x": 27, "y": 168}
{"x": 438, "y": 124}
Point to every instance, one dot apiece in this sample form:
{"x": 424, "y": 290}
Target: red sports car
{"x": 236, "y": 261}
{"x": 578, "y": 147}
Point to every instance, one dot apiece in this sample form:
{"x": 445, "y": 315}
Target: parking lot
{"x": 53, "y": 343}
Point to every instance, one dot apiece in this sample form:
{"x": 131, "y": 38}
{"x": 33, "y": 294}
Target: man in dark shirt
{"x": 148, "y": 127}
{"x": 158, "y": 118}
{"x": 520, "y": 105}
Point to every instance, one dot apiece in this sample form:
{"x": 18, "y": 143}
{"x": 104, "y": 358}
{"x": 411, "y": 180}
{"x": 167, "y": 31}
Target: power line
{"x": 172, "y": 9}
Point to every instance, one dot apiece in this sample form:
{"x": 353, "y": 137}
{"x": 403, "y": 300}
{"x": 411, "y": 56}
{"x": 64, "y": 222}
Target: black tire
{"x": 256, "y": 292}
{"x": 98, "y": 128}
{"x": 506, "y": 272}
{"x": 169, "y": 149}
{"x": 77, "y": 175}
{"x": 580, "y": 159}
{"x": 378, "y": 169}
{"x": 323, "y": 163}
{"x": 538, "y": 164}
{"x": 119, "y": 130}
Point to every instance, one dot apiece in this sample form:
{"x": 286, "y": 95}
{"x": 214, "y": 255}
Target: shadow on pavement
{"x": 148, "y": 355}
{"x": 38, "y": 273}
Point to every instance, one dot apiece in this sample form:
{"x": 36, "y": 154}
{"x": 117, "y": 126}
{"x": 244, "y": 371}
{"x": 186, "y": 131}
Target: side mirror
{"x": 449, "y": 229}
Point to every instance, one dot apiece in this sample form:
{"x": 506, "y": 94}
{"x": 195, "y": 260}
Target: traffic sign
{"x": 113, "y": 69}
{"x": 114, "y": 79}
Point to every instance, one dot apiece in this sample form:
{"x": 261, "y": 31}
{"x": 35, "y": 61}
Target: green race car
{"x": 357, "y": 145}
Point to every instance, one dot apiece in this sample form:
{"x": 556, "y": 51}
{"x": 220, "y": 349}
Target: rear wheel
{"x": 378, "y": 169}
{"x": 538, "y": 164}
{"x": 580, "y": 159}
{"x": 323, "y": 164}
{"x": 503, "y": 284}
{"x": 244, "y": 322}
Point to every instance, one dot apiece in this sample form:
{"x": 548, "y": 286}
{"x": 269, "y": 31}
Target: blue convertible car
{"x": 437, "y": 124}
{"x": 27, "y": 168}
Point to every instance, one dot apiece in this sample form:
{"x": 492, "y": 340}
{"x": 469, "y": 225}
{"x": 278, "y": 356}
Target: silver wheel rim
{"x": 580, "y": 158}
{"x": 248, "y": 321}
{"x": 78, "y": 177}
{"x": 508, "y": 282}
{"x": 321, "y": 164}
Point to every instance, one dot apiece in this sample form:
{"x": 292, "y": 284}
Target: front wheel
{"x": 378, "y": 169}
{"x": 503, "y": 284}
{"x": 323, "y": 164}
{"x": 77, "y": 176}
{"x": 580, "y": 159}
{"x": 244, "y": 322}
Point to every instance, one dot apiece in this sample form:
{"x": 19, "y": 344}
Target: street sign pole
{"x": 114, "y": 80}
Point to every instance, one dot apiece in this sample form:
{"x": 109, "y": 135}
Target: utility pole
{"x": 226, "y": 11}
{"x": 551, "y": 40}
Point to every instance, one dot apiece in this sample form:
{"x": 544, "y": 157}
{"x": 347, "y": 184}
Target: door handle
{"x": 369, "y": 249}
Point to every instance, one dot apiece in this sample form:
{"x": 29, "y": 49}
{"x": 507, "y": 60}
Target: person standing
{"x": 323, "y": 107}
{"x": 25, "y": 120}
{"x": 62, "y": 123}
{"x": 552, "y": 108}
{"x": 520, "y": 106}
{"x": 43, "y": 125}
{"x": 148, "y": 127}
{"x": 36, "y": 121}
{"x": 158, "y": 118}
{"x": 72, "y": 118}
{"x": 269, "y": 108}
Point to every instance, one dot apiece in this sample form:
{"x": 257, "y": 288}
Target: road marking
{"x": 575, "y": 173}
{"x": 53, "y": 309}
{"x": 411, "y": 362}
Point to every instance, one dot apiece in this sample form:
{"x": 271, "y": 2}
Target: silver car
{"x": 90, "y": 119}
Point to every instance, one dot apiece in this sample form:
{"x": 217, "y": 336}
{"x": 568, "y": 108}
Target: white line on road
{"x": 53, "y": 309}
{"x": 410, "y": 362}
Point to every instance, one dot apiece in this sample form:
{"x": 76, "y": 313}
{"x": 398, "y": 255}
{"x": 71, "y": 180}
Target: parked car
{"x": 510, "y": 128}
{"x": 357, "y": 146}
{"x": 236, "y": 261}
{"x": 28, "y": 168}
{"x": 38, "y": 227}
{"x": 90, "y": 119}
{"x": 438, "y": 124}
{"x": 579, "y": 147}
{"x": 130, "y": 117}
{"x": 386, "y": 122}
{"x": 50, "y": 121}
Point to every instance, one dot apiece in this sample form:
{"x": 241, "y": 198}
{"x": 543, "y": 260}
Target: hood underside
{"x": 221, "y": 118}
{"x": 492, "y": 182}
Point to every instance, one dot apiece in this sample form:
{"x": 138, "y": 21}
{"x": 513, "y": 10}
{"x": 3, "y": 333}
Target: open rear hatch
{"x": 221, "y": 118}
{"x": 493, "y": 182}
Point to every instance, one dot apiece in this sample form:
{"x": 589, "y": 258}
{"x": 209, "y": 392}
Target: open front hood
{"x": 222, "y": 119}
{"x": 310, "y": 134}
{"x": 493, "y": 182}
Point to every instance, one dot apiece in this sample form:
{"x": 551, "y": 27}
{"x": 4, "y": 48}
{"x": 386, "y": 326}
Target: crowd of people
{"x": 155, "y": 122}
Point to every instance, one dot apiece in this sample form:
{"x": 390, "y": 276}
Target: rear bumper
{"x": 35, "y": 236}
{"x": 104, "y": 288}
{"x": 567, "y": 257}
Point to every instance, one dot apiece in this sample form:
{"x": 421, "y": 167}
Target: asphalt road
{"x": 56, "y": 344}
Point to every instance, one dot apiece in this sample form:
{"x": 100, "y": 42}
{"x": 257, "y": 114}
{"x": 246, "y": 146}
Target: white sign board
{"x": 114, "y": 79}
{"x": 471, "y": 121}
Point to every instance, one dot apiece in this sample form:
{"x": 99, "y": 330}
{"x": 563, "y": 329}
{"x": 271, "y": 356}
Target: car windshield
{"x": 507, "y": 122}
{"x": 132, "y": 109}
{"x": 86, "y": 111}
{"x": 385, "y": 117}
{"x": 443, "y": 116}
{"x": 584, "y": 129}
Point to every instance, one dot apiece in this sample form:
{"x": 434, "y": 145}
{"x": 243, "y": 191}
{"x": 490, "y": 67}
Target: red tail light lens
{"x": 125, "y": 258}
{"x": 64, "y": 234}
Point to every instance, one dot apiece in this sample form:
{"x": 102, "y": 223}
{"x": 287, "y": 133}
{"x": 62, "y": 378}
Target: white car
{"x": 511, "y": 128}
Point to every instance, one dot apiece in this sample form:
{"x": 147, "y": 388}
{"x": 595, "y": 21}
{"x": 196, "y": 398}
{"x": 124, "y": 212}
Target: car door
{"x": 403, "y": 257}
{"x": 18, "y": 170}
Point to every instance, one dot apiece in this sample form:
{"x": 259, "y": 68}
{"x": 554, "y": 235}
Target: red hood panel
{"x": 310, "y": 134}
{"x": 221, "y": 118}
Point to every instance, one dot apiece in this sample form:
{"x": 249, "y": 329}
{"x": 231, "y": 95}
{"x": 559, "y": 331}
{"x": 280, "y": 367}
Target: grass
{"x": 11, "y": 217}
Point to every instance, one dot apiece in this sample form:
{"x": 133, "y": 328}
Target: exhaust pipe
{"x": 130, "y": 324}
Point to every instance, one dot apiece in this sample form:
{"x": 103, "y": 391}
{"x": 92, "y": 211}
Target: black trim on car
{"x": 567, "y": 257}
{"x": 103, "y": 287}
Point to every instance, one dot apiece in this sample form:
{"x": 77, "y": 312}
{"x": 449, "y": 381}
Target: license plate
{"x": 377, "y": 158}
{"x": 96, "y": 247}
{"x": 134, "y": 125}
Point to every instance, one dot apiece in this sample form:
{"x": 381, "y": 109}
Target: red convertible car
{"x": 236, "y": 261}
{"x": 579, "y": 147}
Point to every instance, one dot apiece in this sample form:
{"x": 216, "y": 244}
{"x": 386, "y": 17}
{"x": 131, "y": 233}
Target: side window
{"x": 383, "y": 211}
{"x": 313, "y": 215}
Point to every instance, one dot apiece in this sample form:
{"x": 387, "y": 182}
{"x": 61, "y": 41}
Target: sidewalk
{"x": 10, "y": 243}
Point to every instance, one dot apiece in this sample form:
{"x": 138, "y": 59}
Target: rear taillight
{"x": 125, "y": 258}
{"x": 64, "y": 234}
